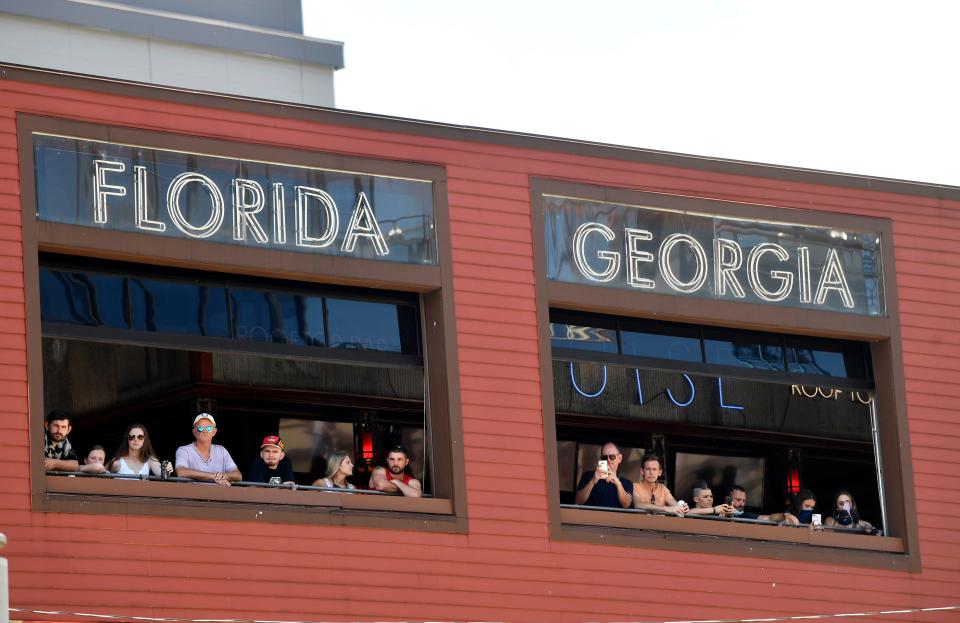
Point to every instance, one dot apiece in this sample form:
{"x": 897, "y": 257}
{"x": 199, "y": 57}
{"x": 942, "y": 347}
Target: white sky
{"x": 867, "y": 87}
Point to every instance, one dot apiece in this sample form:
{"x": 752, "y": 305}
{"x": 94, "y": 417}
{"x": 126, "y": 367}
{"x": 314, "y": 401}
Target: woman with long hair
{"x": 846, "y": 515}
{"x": 135, "y": 455}
{"x": 339, "y": 468}
{"x": 804, "y": 505}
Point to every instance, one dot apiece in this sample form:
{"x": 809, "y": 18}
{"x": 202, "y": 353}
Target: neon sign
{"x": 706, "y": 256}
{"x": 227, "y": 200}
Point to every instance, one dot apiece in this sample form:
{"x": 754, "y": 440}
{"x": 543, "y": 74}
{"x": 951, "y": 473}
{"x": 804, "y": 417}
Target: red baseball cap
{"x": 272, "y": 440}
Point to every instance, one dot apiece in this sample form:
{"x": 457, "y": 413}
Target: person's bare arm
{"x": 412, "y": 489}
{"x": 784, "y": 518}
{"x": 60, "y": 465}
{"x": 196, "y": 474}
{"x": 674, "y": 508}
{"x": 92, "y": 468}
{"x": 724, "y": 510}
{"x": 379, "y": 482}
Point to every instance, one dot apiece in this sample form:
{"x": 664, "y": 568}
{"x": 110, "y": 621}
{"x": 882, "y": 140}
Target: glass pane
{"x": 395, "y": 216}
{"x": 310, "y": 442}
{"x": 661, "y": 345}
{"x": 744, "y": 350}
{"x": 277, "y": 317}
{"x": 364, "y": 325}
{"x": 827, "y": 358}
{"x": 583, "y": 338}
{"x": 165, "y": 306}
{"x": 81, "y": 298}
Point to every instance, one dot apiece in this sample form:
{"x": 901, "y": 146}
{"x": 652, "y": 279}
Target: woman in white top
{"x": 339, "y": 468}
{"x": 135, "y": 455}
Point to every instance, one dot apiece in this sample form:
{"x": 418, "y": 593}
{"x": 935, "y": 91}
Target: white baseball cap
{"x": 205, "y": 416}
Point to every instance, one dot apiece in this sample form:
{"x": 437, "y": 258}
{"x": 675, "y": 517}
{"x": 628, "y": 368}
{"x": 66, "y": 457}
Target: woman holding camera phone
{"x": 846, "y": 515}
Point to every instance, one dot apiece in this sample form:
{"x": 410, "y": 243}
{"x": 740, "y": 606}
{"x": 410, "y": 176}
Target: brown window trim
{"x": 901, "y": 551}
{"x": 446, "y": 511}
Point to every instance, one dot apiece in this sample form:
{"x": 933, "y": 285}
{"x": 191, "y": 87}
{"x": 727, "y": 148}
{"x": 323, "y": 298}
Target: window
{"x": 769, "y": 360}
{"x": 307, "y": 317}
{"x": 756, "y": 424}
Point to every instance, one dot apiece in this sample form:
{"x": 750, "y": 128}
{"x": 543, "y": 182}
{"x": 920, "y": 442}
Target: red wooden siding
{"x": 506, "y": 567}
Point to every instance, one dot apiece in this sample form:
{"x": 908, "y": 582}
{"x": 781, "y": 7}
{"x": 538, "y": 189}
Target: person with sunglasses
{"x": 603, "y": 486}
{"x": 203, "y": 460}
{"x": 135, "y": 455}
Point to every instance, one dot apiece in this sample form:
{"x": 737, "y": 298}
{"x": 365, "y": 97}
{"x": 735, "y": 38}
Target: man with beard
{"x": 394, "y": 478}
{"x": 738, "y": 499}
{"x": 272, "y": 466}
{"x": 58, "y": 454}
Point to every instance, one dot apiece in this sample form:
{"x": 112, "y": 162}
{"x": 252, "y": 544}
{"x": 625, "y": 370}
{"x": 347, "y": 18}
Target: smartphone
{"x": 815, "y": 519}
{"x": 602, "y": 466}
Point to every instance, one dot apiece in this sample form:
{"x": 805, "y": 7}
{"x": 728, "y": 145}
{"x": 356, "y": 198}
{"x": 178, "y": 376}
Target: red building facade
{"x": 494, "y": 539}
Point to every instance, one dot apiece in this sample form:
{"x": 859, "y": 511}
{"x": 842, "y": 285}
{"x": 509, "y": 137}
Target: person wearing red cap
{"x": 272, "y": 466}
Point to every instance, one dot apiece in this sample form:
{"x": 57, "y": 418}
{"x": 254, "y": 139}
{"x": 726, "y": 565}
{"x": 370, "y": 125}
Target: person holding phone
{"x": 652, "y": 495}
{"x": 703, "y": 502}
{"x": 846, "y": 515}
{"x": 603, "y": 486}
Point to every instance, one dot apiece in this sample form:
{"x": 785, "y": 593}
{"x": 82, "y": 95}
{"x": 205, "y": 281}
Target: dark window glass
{"x": 677, "y": 344}
{"x": 277, "y": 317}
{"x": 209, "y": 307}
{"x": 166, "y": 306}
{"x": 744, "y": 350}
{"x": 583, "y": 338}
{"x": 841, "y": 359}
{"x": 82, "y": 298}
{"x": 364, "y": 325}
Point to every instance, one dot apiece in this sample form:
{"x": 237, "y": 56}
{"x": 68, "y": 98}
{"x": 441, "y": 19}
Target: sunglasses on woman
{"x": 131, "y": 437}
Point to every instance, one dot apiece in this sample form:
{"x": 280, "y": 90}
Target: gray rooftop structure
{"x": 253, "y": 48}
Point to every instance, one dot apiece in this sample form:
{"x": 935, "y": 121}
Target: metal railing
{"x": 241, "y": 483}
{"x": 4, "y": 585}
{"x": 740, "y": 520}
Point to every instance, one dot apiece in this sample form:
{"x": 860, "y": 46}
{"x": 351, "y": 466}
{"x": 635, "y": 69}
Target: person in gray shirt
{"x": 204, "y": 460}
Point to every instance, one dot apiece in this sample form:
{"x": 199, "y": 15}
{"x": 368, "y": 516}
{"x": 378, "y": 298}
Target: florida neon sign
{"x": 233, "y": 201}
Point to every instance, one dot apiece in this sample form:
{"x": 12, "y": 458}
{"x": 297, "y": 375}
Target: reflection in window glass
{"x": 746, "y": 351}
{"x": 809, "y": 361}
{"x": 176, "y": 307}
{"x": 308, "y": 443}
{"x": 838, "y": 359}
{"x": 81, "y": 298}
{"x": 583, "y": 338}
{"x": 661, "y": 346}
{"x": 277, "y": 317}
{"x": 363, "y": 325}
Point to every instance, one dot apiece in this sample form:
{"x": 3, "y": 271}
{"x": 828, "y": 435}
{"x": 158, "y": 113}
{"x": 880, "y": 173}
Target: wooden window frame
{"x": 901, "y": 551}
{"x": 445, "y": 512}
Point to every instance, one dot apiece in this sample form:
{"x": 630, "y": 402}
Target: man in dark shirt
{"x": 738, "y": 499}
{"x": 605, "y": 488}
{"x": 272, "y": 466}
{"x": 58, "y": 454}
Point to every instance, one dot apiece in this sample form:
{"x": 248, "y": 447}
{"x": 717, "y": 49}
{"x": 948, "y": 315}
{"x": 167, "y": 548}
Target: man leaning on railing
{"x": 58, "y": 454}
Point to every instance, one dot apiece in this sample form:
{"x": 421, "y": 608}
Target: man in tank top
{"x": 394, "y": 477}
